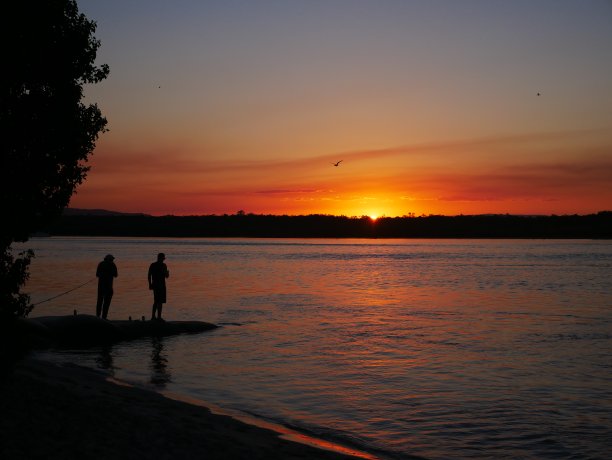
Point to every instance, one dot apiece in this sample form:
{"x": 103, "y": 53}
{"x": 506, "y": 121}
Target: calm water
{"x": 437, "y": 348}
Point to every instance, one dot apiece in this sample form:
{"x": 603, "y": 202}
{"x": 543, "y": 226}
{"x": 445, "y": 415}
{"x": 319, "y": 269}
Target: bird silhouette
{"x": 338, "y": 163}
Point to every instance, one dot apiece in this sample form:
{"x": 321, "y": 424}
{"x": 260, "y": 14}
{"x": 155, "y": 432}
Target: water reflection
{"x": 104, "y": 360}
{"x": 158, "y": 363}
{"x": 160, "y": 374}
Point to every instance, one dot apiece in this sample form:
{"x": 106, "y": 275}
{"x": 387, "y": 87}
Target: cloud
{"x": 288, "y": 191}
{"x": 550, "y": 181}
{"x": 110, "y": 159}
{"x": 534, "y": 167}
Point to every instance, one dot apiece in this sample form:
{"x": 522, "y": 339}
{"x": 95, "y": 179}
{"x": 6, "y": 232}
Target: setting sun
{"x": 373, "y": 217}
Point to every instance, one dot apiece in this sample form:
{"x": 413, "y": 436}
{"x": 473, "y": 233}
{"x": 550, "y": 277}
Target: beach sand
{"x": 64, "y": 411}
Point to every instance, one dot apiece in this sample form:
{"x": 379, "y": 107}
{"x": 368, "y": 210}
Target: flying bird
{"x": 338, "y": 163}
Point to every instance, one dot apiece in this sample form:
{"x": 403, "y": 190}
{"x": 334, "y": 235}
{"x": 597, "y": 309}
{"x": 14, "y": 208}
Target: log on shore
{"x": 89, "y": 330}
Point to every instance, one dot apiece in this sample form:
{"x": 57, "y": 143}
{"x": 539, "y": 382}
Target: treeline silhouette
{"x": 326, "y": 226}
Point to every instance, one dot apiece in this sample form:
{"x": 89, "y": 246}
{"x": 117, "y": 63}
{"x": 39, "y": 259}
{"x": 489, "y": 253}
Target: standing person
{"x": 158, "y": 272}
{"x": 106, "y": 272}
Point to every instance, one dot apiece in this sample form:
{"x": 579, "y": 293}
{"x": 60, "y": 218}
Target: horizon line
{"x": 99, "y": 212}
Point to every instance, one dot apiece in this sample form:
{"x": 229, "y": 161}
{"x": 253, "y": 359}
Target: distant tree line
{"x": 325, "y": 226}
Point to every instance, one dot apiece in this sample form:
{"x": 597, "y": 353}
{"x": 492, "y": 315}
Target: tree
{"x": 46, "y": 132}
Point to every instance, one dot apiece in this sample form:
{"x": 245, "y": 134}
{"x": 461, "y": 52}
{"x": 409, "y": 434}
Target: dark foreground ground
{"x": 49, "y": 411}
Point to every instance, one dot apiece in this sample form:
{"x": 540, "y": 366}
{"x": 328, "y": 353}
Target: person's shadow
{"x": 160, "y": 374}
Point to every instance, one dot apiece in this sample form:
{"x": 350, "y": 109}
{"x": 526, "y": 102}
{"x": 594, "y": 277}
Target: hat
{"x": 109, "y": 257}
{"x": 161, "y": 256}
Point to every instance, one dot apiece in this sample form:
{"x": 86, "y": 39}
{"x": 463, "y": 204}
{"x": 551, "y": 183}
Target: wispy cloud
{"x": 511, "y": 168}
{"x": 110, "y": 159}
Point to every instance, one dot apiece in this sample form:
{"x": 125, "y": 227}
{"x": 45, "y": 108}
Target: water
{"x": 436, "y": 348}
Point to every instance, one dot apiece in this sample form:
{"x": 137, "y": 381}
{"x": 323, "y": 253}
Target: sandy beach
{"x": 64, "y": 411}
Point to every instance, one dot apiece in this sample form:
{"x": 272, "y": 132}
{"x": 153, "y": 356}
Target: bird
{"x": 337, "y": 163}
{"x": 538, "y": 94}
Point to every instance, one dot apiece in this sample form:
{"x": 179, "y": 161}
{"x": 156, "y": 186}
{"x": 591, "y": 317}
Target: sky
{"x": 434, "y": 107}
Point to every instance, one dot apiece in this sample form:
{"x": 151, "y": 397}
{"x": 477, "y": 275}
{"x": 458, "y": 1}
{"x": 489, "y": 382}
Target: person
{"x": 106, "y": 273}
{"x": 158, "y": 272}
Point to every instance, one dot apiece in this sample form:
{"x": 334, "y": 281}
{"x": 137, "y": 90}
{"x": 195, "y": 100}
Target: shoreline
{"x": 69, "y": 411}
{"x": 283, "y": 432}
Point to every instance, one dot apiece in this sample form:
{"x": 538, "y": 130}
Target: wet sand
{"x": 61, "y": 412}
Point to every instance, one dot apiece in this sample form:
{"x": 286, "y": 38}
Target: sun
{"x": 373, "y": 217}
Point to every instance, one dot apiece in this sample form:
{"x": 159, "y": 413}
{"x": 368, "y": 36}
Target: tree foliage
{"x": 46, "y": 131}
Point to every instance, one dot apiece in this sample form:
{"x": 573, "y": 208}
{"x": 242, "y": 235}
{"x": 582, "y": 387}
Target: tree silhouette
{"x": 46, "y": 132}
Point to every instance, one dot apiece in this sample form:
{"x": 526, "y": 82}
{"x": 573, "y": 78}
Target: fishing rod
{"x": 63, "y": 293}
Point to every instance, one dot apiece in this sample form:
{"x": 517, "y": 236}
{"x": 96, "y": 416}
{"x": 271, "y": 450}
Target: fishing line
{"x": 63, "y": 293}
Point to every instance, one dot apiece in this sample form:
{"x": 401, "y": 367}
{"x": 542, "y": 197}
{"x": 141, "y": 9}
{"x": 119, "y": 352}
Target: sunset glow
{"x": 214, "y": 109}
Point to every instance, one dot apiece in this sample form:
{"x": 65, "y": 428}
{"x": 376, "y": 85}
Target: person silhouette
{"x": 158, "y": 272}
{"x": 106, "y": 273}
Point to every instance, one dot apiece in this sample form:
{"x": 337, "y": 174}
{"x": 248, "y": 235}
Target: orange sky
{"x": 433, "y": 108}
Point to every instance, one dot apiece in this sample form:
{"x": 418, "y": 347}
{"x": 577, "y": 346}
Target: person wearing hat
{"x": 106, "y": 272}
{"x": 158, "y": 272}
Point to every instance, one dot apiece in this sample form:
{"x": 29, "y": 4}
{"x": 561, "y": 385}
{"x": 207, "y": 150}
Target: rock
{"x": 87, "y": 330}
{"x": 157, "y": 328}
{"x": 80, "y": 330}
